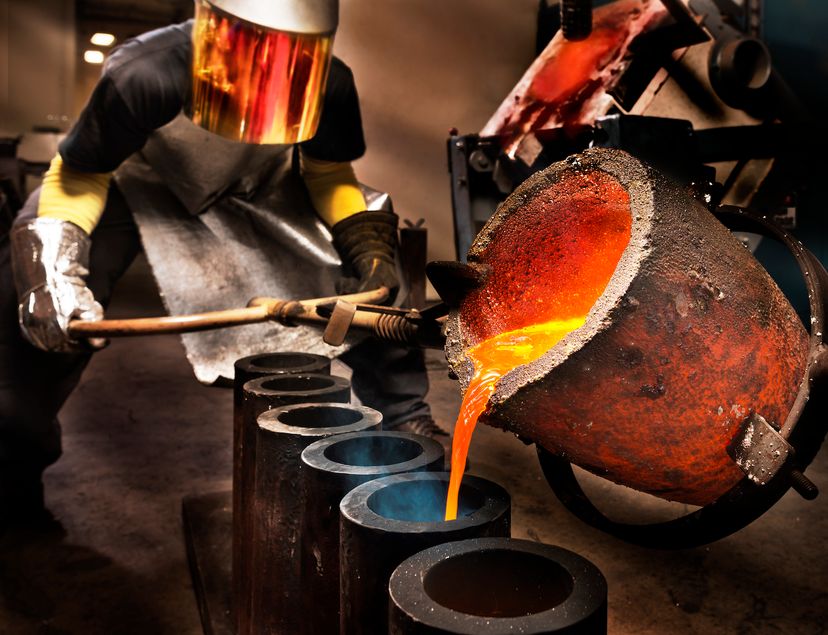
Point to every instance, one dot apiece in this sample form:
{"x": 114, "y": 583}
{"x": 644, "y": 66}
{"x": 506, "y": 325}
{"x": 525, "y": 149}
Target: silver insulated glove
{"x": 50, "y": 260}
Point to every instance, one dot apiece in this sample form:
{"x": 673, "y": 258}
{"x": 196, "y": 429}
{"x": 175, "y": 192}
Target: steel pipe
{"x": 332, "y": 467}
{"x": 259, "y": 395}
{"x": 385, "y": 521}
{"x": 497, "y": 586}
{"x": 246, "y": 369}
{"x": 279, "y": 501}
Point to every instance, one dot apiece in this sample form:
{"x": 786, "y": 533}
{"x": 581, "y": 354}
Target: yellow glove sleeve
{"x": 333, "y": 189}
{"x": 77, "y": 197}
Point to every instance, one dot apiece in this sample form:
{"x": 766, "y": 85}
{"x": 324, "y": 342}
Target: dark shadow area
{"x": 50, "y": 585}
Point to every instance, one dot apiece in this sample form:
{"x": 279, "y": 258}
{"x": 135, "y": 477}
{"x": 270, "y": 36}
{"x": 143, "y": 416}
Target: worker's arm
{"x": 365, "y": 240}
{"x": 50, "y": 258}
{"x": 142, "y": 88}
{"x": 333, "y": 188}
{"x": 73, "y": 196}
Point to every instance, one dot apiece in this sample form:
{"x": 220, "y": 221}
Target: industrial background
{"x": 140, "y": 433}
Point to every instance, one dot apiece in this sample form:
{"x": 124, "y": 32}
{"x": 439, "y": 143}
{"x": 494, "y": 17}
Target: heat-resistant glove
{"x": 367, "y": 244}
{"x": 50, "y": 260}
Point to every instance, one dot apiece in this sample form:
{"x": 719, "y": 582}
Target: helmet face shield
{"x": 256, "y": 84}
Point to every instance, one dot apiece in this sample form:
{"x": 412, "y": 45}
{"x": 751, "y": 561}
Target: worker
{"x": 248, "y": 77}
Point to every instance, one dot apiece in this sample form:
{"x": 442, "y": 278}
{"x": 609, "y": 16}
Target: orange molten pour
{"x": 539, "y": 290}
{"x": 492, "y": 359}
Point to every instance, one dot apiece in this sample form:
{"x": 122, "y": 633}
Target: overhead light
{"x": 93, "y": 57}
{"x": 103, "y": 39}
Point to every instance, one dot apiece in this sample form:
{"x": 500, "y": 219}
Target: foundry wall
{"x": 37, "y": 64}
{"x": 422, "y": 67}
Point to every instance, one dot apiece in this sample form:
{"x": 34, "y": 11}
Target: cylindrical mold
{"x": 332, "y": 468}
{"x": 248, "y": 368}
{"x": 279, "y": 501}
{"x": 259, "y": 395}
{"x": 385, "y": 521}
{"x": 497, "y": 586}
{"x": 684, "y": 333}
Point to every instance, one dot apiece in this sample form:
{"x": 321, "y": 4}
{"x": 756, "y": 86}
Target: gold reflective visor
{"x": 253, "y": 84}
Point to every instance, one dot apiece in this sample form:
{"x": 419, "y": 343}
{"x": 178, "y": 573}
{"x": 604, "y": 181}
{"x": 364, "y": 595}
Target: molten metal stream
{"x": 492, "y": 359}
{"x": 577, "y": 267}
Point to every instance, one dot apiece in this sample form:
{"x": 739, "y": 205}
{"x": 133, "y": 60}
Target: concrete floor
{"x": 140, "y": 433}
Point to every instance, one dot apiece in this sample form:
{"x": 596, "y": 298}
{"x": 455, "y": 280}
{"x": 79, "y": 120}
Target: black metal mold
{"x": 385, "y": 521}
{"x": 497, "y": 586}
{"x": 279, "y": 500}
{"x": 271, "y": 391}
{"x": 280, "y": 363}
{"x": 247, "y": 369}
{"x": 331, "y": 468}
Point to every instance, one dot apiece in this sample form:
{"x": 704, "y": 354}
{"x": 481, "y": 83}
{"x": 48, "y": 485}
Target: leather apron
{"x": 222, "y": 222}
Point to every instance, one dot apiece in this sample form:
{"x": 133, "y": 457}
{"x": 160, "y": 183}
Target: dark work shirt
{"x": 147, "y": 81}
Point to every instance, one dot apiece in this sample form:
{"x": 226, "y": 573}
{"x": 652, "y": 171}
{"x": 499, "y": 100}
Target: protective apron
{"x": 222, "y": 222}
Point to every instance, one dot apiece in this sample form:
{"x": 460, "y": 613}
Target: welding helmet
{"x": 260, "y": 67}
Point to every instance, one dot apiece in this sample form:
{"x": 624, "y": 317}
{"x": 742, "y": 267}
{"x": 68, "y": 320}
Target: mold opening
{"x": 282, "y": 361}
{"x": 370, "y": 450}
{"x": 297, "y": 383}
{"x": 422, "y": 501}
{"x": 498, "y": 583}
{"x": 319, "y": 417}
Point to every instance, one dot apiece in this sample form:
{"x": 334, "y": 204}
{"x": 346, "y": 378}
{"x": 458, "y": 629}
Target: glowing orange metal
{"x": 492, "y": 359}
{"x": 688, "y": 338}
{"x": 537, "y": 318}
{"x": 569, "y": 82}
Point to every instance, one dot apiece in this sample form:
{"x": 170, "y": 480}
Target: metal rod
{"x": 288, "y": 312}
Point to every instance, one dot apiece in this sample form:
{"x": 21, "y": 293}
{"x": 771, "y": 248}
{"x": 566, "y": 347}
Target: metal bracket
{"x": 759, "y": 450}
{"x": 339, "y": 323}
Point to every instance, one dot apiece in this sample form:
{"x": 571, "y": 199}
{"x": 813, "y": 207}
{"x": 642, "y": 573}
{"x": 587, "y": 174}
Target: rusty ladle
{"x": 804, "y": 428}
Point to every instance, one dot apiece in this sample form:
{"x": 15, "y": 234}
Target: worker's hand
{"x": 378, "y": 274}
{"x": 50, "y": 259}
{"x": 367, "y": 244}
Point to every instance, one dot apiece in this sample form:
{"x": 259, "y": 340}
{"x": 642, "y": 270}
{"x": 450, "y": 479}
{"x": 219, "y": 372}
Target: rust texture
{"x": 690, "y": 336}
